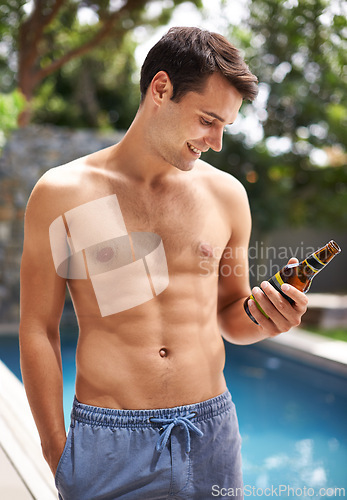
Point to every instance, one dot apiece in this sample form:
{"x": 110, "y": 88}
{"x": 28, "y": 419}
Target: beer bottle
{"x": 299, "y": 275}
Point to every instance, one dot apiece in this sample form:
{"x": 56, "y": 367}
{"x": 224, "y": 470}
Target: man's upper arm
{"x": 42, "y": 290}
{"x": 234, "y": 268}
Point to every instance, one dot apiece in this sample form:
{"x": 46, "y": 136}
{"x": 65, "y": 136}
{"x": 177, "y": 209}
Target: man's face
{"x": 183, "y": 130}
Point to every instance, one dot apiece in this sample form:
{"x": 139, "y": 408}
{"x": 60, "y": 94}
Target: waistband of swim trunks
{"x": 109, "y": 417}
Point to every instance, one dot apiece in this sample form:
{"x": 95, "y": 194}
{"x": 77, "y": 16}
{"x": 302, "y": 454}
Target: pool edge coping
{"x": 322, "y": 352}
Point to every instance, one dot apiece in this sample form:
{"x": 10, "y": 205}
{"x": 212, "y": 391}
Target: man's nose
{"x": 214, "y": 139}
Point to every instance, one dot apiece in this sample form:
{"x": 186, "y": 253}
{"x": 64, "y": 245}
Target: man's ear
{"x": 161, "y": 87}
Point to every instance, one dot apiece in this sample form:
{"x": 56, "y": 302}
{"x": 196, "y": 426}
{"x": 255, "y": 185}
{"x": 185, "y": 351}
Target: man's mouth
{"x": 195, "y": 150}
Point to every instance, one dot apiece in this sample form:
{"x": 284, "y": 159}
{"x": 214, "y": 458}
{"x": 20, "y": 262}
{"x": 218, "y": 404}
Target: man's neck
{"x": 135, "y": 158}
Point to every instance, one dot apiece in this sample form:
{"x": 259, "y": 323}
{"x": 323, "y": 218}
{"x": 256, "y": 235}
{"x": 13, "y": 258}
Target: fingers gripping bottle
{"x": 299, "y": 275}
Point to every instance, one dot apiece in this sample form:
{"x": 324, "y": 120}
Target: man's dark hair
{"x": 189, "y": 56}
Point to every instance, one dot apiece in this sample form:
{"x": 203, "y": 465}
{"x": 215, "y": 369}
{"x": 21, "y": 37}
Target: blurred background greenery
{"x": 75, "y": 64}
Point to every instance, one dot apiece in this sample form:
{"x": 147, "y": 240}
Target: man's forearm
{"x": 43, "y": 381}
{"x": 236, "y": 326}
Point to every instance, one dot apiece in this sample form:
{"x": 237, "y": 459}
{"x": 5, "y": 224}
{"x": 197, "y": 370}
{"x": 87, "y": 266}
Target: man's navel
{"x": 163, "y": 352}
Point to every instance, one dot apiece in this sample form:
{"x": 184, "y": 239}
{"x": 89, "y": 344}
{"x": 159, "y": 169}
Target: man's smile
{"x": 195, "y": 150}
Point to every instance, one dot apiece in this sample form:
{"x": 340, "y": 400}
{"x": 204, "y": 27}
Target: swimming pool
{"x": 292, "y": 419}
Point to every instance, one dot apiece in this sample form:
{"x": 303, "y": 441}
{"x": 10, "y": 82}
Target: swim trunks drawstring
{"x": 169, "y": 423}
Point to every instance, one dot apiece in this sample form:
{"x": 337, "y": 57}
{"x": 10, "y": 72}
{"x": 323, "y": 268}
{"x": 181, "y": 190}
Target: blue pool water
{"x": 292, "y": 419}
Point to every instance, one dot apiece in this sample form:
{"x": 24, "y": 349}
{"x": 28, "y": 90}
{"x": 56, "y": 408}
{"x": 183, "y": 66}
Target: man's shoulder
{"x": 64, "y": 176}
{"x": 222, "y": 183}
{"x": 229, "y": 194}
{"x": 59, "y": 188}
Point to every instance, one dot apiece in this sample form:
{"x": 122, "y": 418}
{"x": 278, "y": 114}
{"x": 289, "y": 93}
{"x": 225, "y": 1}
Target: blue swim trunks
{"x": 173, "y": 453}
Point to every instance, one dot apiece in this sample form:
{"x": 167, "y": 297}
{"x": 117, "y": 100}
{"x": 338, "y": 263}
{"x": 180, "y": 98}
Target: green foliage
{"x": 302, "y": 60}
{"x": 58, "y": 52}
{"x": 336, "y": 333}
{"x": 11, "y": 15}
{"x": 95, "y": 91}
{"x": 10, "y": 106}
{"x": 297, "y": 48}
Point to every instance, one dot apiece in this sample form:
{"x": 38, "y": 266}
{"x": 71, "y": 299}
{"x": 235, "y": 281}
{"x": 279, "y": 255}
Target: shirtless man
{"x": 127, "y": 229}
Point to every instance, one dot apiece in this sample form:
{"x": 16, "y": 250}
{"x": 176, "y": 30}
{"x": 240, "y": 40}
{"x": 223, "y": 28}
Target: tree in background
{"x": 290, "y": 147}
{"x": 96, "y": 90}
{"x": 51, "y": 36}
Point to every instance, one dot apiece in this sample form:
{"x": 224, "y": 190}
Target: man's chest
{"x": 190, "y": 224}
{"x": 110, "y": 230}
{"x": 137, "y": 244}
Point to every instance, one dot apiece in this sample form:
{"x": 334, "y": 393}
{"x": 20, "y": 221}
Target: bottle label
{"x": 314, "y": 263}
{"x": 260, "y": 309}
{"x": 278, "y": 281}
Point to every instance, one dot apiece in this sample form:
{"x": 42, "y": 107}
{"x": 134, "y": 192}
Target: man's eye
{"x": 205, "y": 122}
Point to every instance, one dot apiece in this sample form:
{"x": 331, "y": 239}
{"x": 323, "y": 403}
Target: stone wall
{"x": 28, "y": 153}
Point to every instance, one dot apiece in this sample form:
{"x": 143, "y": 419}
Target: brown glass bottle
{"x": 299, "y": 275}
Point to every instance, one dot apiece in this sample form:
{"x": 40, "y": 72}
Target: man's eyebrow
{"x": 214, "y": 115}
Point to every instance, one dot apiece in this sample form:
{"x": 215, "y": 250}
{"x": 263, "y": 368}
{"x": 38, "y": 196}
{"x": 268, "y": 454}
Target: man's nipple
{"x": 206, "y": 249}
{"x": 105, "y": 254}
